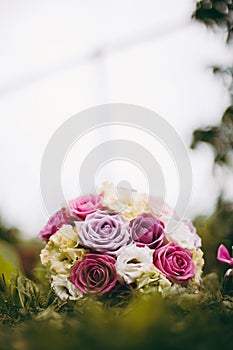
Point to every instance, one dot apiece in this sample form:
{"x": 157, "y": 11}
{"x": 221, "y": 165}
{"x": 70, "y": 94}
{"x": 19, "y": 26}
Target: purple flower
{"x": 175, "y": 262}
{"x": 104, "y": 231}
{"x": 84, "y": 205}
{"x": 95, "y": 273}
{"x": 56, "y": 221}
{"x": 147, "y": 229}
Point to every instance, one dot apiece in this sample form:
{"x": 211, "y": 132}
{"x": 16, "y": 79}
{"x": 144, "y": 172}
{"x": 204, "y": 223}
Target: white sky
{"x": 150, "y": 54}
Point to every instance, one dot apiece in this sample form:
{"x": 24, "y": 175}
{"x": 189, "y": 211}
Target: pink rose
{"x": 94, "y": 274}
{"x": 84, "y": 205}
{"x": 175, "y": 262}
{"x": 56, "y": 221}
{"x": 147, "y": 229}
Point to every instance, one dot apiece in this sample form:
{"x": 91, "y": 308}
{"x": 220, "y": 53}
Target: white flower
{"x": 66, "y": 239}
{"x": 156, "y": 281}
{"x": 128, "y": 203}
{"x": 179, "y": 233}
{"x": 133, "y": 261}
{"x": 199, "y": 262}
{"x": 54, "y": 260}
{"x": 164, "y": 285}
{"x": 64, "y": 288}
{"x": 61, "y": 251}
{"x": 153, "y": 281}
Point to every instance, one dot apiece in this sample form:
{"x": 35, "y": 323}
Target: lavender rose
{"x": 174, "y": 262}
{"x": 104, "y": 231}
{"x": 56, "y": 221}
{"x": 84, "y": 205}
{"x": 95, "y": 273}
{"x": 147, "y": 229}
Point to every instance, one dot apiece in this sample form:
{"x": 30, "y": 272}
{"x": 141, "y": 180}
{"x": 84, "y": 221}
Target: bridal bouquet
{"x": 120, "y": 242}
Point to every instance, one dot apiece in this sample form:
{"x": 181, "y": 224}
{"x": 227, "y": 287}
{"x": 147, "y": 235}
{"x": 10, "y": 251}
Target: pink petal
{"x": 224, "y": 256}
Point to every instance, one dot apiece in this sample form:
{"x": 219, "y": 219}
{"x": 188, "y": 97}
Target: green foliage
{"x": 193, "y": 321}
{"x": 218, "y": 228}
{"x": 10, "y": 235}
{"x": 215, "y": 230}
{"x": 20, "y": 299}
{"x": 9, "y": 262}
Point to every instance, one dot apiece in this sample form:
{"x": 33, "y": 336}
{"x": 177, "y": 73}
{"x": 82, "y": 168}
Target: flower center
{"x": 180, "y": 262}
{"x": 133, "y": 261}
{"x": 107, "y": 228}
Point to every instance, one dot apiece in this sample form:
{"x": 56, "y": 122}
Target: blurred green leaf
{"x": 9, "y": 262}
{"x": 10, "y": 235}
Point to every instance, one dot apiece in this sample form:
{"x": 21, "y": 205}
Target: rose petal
{"x": 224, "y": 256}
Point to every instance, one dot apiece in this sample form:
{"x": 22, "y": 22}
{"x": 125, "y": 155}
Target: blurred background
{"x": 60, "y": 57}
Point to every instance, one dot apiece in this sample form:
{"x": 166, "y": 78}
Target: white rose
{"x": 133, "y": 261}
{"x": 64, "y": 288}
{"x": 179, "y": 233}
{"x": 127, "y": 202}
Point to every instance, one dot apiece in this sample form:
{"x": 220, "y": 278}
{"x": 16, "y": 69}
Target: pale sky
{"x": 60, "y": 57}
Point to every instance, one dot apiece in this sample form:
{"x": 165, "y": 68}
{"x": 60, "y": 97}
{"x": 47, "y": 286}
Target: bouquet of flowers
{"x": 112, "y": 244}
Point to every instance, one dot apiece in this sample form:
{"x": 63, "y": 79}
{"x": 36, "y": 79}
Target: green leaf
{"x": 9, "y": 262}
